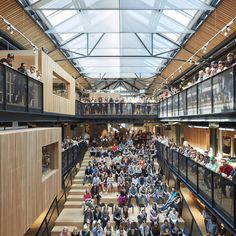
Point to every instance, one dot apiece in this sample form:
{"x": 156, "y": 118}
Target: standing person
{"x": 8, "y": 61}
{"x": 230, "y": 61}
{"x": 225, "y": 171}
{"x": 31, "y": 72}
{"x": 22, "y": 68}
{"x": 111, "y": 102}
{"x": 122, "y": 101}
{"x": 117, "y": 105}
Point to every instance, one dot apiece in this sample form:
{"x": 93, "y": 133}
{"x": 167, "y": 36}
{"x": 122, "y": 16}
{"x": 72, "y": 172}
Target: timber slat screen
{"x": 19, "y": 92}
{"x": 216, "y": 191}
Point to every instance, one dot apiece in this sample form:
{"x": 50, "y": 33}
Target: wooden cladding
{"x": 52, "y": 102}
{"x": 197, "y": 137}
{"x": 24, "y": 194}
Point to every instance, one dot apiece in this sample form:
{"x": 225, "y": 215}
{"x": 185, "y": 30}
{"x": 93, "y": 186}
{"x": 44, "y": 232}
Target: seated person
{"x": 88, "y": 216}
{"x": 143, "y": 195}
{"x": 159, "y": 193}
{"x": 88, "y": 201}
{"x": 141, "y": 180}
{"x": 85, "y": 231}
{"x": 93, "y": 151}
{"x": 133, "y": 193}
{"x": 105, "y": 217}
{"x": 154, "y": 217}
{"x": 170, "y": 201}
{"x": 110, "y": 182}
{"x": 117, "y": 216}
{"x": 122, "y": 199}
{"x": 65, "y": 232}
{"x": 97, "y": 230}
{"x": 165, "y": 229}
{"x": 142, "y": 217}
{"x": 176, "y": 231}
{"x": 173, "y": 215}
{"x": 108, "y": 230}
{"x": 75, "y": 232}
{"x": 120, "y": 182}
{"x": 88, "y": 173}
{"x": 144, "y": 229}
{"x": 97, "y": 215}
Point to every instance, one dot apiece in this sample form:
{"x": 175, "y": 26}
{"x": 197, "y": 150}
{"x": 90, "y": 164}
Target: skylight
{"x": 119, "y": 38}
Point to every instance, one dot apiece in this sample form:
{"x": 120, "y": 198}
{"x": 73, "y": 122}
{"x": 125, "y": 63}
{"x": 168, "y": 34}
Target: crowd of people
{"x": 129, "y": 169}
{"x": 69, "y": 142}
{"x": 31, "y": 71}
{"x": 221, "y": 166}
{"x": 119, "y": 105}
{"x": 214, "y": 68}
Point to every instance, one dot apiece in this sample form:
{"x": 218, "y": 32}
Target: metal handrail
{"x": 195, "y": 177}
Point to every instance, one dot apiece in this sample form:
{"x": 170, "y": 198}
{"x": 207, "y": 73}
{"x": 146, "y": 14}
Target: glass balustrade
{"x": 19, "y": 92}
{"x": 214, "y": 189}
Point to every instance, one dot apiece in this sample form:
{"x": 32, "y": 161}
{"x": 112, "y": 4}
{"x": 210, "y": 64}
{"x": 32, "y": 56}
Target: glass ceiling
{"x": 127, "y": 40}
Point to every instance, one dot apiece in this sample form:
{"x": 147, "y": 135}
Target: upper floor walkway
{"x": 210, "y": 99}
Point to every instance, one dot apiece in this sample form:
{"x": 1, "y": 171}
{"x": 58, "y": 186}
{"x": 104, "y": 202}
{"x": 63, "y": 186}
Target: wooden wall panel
{"x": 52, "y": 102}
{"x": 197, "y": 137}
{"x": 24, "y": 194}
{"x": 15, "y": 14}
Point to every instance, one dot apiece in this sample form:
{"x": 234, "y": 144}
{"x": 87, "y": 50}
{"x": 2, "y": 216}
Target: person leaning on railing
{"x": 8, "y": 60}
{"x": 225, "y": 170}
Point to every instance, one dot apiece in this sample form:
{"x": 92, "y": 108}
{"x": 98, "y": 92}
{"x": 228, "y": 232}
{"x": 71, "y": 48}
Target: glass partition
{"x": 35, "y": 94}
{"x": 182, "y": 103}
{"x": 204, "y": 182}
{"x": 192, "y": 173}
{"x": 162, "y": 109}
{"x": 176, "y": 105}
{"x": 182, "y": 165}
{"x": 192, "y": 100}
{"x": 175, "y": 160}
{"x": 224, "y": 196}
{"x": 216, "y": 190}
{"x": 169, "y": 102}
{"x": 204, "y": 97}
{"x": 2, "y": 72}
{"x": 18, "y": 91}
{"x": 223, "y": 97}
{"x": 16, "y": 88}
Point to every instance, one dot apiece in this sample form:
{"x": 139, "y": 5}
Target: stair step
{"x": 73, "y": 204}
{"x": 77, "y": 198}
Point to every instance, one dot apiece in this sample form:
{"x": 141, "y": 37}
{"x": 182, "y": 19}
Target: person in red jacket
{"x": 225, "y": 171}
{"x": 114, "y": 148}
{"x": 225, "y": 168}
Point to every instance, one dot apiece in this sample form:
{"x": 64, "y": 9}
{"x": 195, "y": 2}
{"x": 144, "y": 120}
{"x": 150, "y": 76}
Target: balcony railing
{"x": 134, "y": 109}
{"x": 217, "y": 192}
{"x": 72, "y": 156}
{"x": 211, "y": 96}
{"x": 19, "y": 92}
